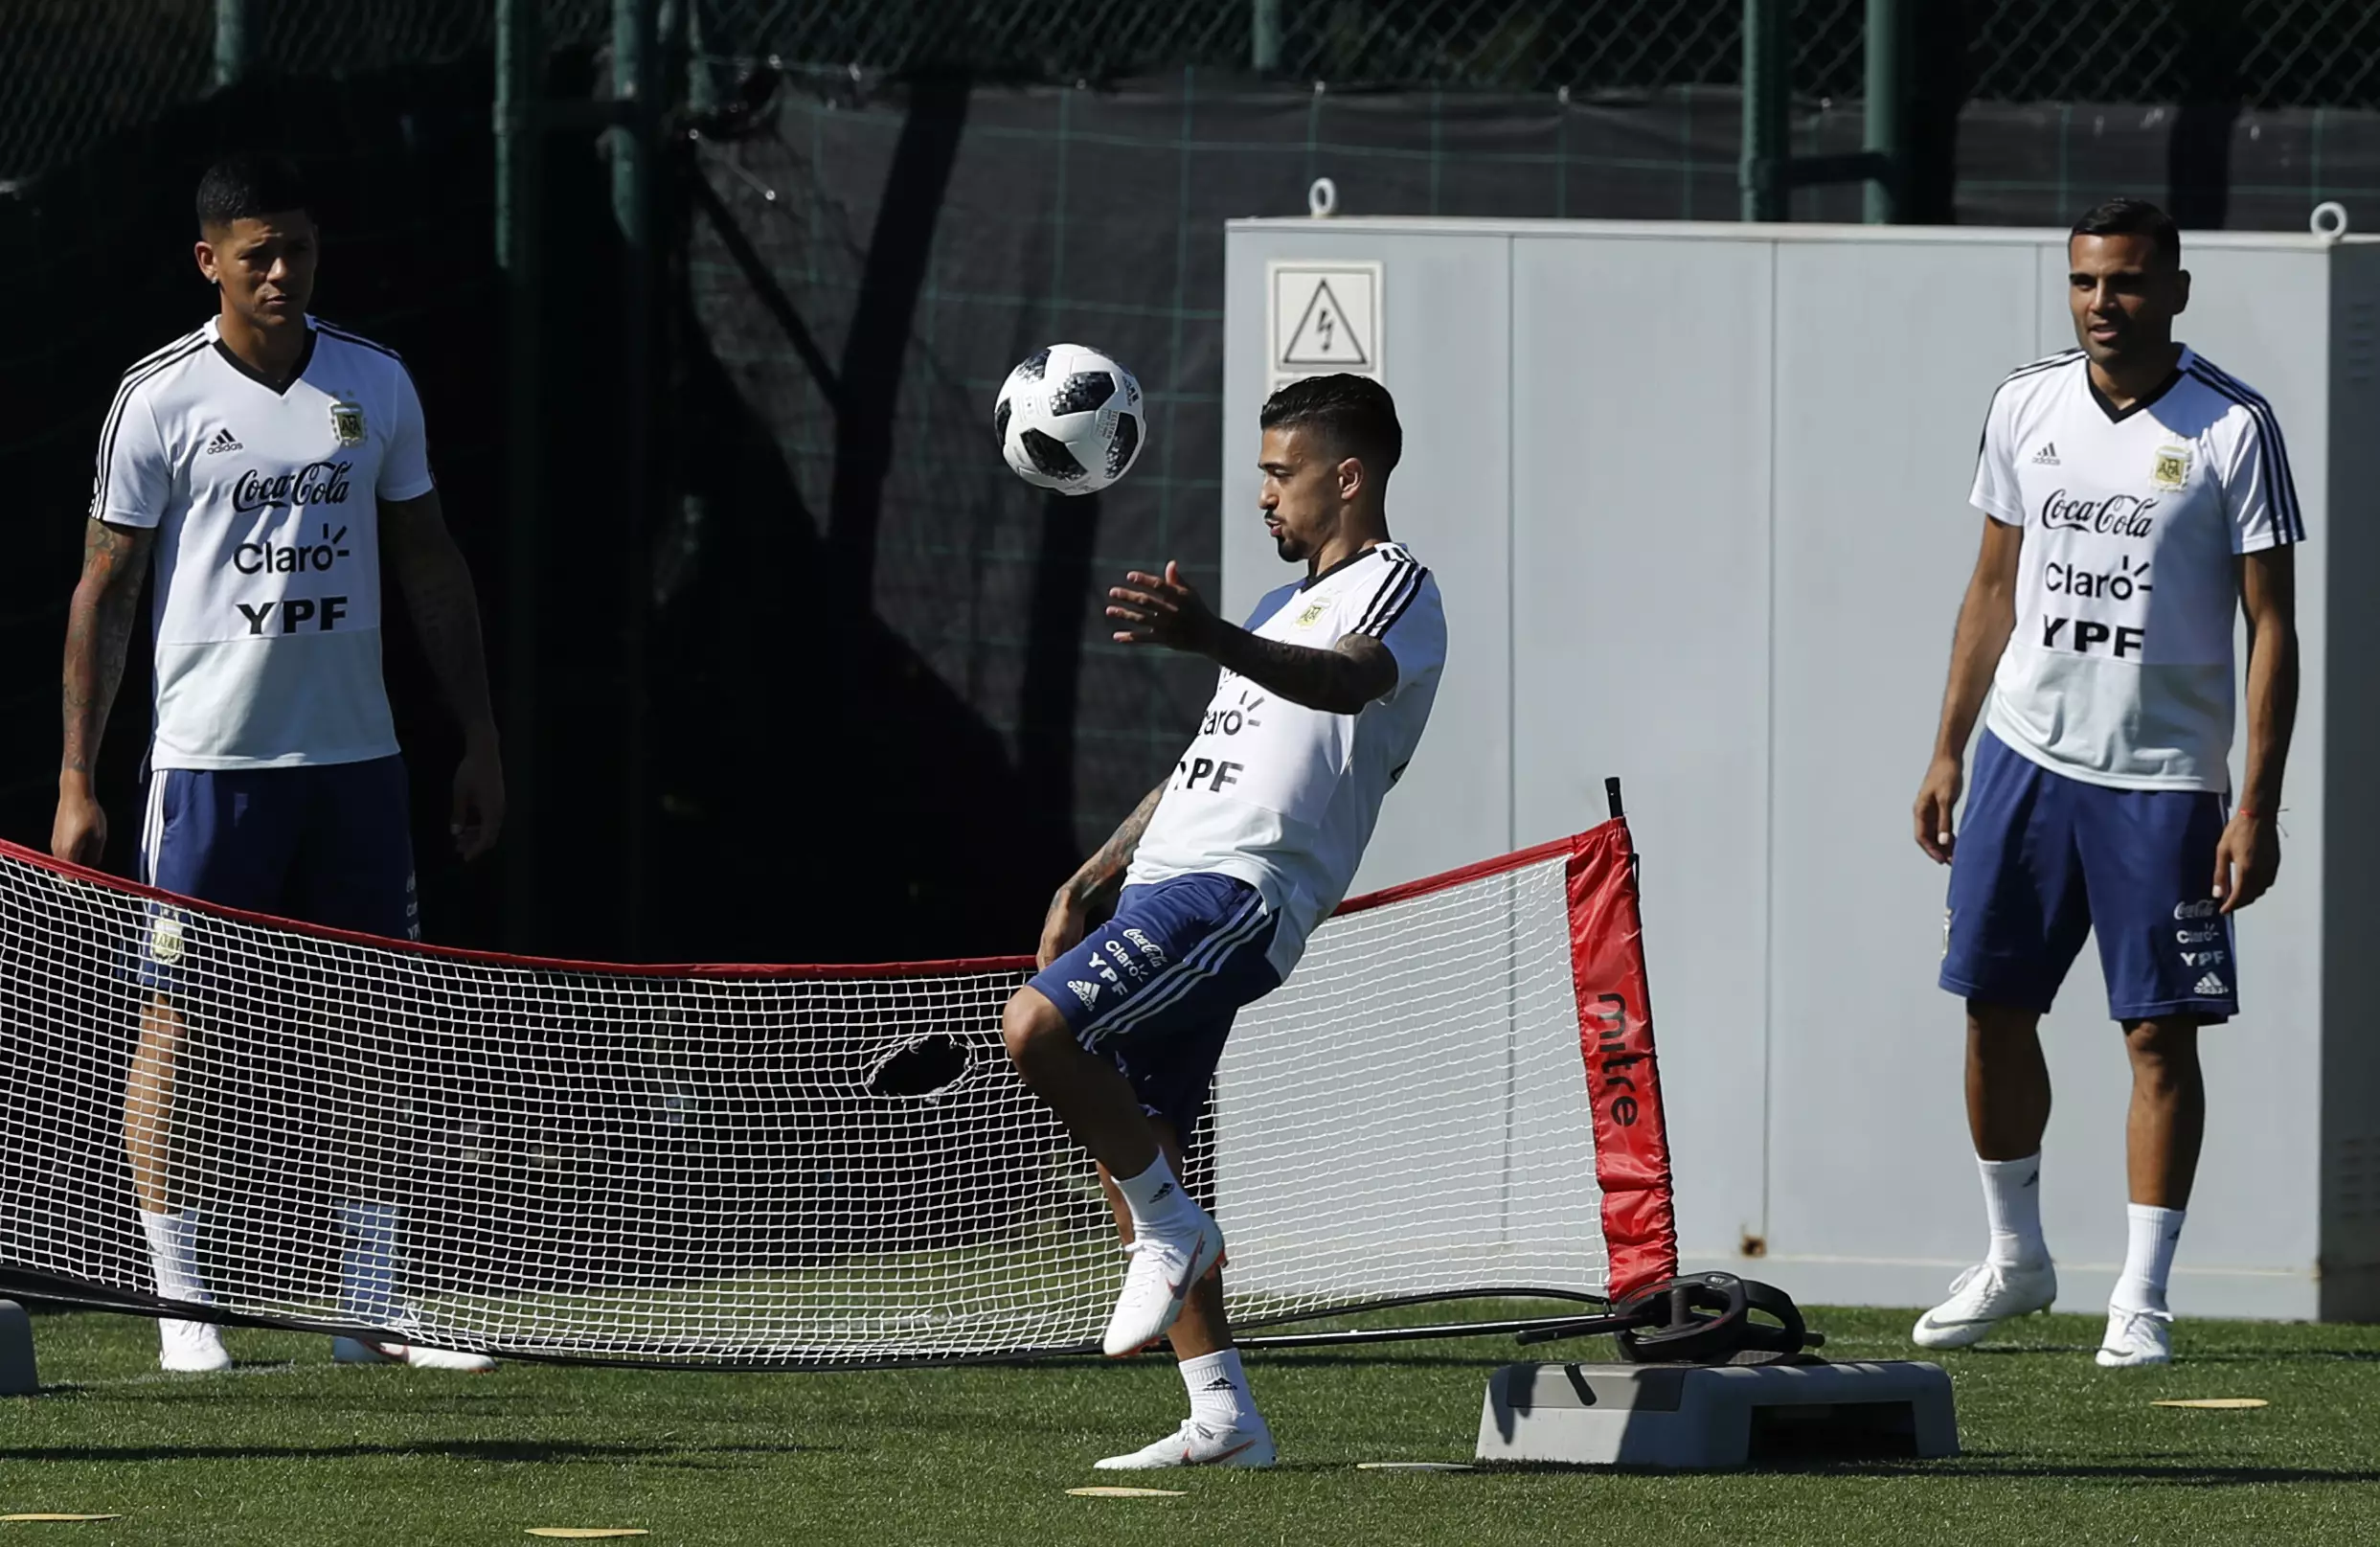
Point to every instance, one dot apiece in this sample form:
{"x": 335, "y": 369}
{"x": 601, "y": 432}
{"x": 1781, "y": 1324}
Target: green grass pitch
{"x": 288, "y": 1448}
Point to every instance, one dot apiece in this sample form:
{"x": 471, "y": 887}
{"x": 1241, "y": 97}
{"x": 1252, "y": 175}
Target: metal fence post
{"x": 520, "y": 59}
{"x": 231, "y": 42}
{"x": 1888, "y": 109}
{"x": 1265, "y": 34}
{"x": 635, "y": 87}
{"x": 1767, "y": 95}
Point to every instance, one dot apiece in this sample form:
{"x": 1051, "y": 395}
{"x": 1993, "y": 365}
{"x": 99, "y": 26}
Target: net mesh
{"x": 744, "y": 1167}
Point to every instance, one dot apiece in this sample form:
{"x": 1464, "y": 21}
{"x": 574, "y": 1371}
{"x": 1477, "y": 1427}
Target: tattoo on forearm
{"x": 444, "y": 606}
{"x": 98, "y": 635}
{"x": 1337, "y": 681}
{"x": 1104, "y": 872}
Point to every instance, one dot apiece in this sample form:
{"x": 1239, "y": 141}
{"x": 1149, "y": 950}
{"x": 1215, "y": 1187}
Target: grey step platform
{"x": 1712, "y": 1416}
{"x": 17, "y": 1351}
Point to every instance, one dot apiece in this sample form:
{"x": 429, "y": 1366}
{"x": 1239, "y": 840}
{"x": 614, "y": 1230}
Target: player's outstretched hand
{"x": 479, "y": 800}
{"x": 78, "y": 834}
{"x": 1061, "y": 929}
{"x": 1936, "y": 798}
{"x": 1165, "y": 611}
{"x": 2246, "y": 860}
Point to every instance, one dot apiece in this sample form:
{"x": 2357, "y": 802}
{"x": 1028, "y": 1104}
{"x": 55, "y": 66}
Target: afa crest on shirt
{"x": 2171, "y": 468}
{"x": 347, "y": 421}
{"x": 1305, "y": 619}
{"x": 165, "y": 936}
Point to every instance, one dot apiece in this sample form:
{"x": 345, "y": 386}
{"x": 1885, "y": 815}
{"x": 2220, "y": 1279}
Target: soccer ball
{"x": 1068, "y": 418}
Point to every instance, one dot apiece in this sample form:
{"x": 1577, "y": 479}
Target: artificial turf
{"x": 288, "y": 1448}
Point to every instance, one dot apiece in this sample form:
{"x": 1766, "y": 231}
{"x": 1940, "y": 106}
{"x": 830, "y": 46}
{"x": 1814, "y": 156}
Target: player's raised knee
{"x": 1029, "y": 1023}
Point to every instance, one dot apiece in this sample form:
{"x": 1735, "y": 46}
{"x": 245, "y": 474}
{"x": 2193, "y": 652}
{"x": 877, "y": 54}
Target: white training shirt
{"x": 1284, "y": 796}
{"x": 2120, "y": 670}
{"x": 265, "y": 505}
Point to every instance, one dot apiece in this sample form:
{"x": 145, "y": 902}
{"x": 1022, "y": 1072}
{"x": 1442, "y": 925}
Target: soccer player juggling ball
{"x": 1218, "y": 877}
{"x": 270, "y": 464}
{"x": 2135, "y": 498}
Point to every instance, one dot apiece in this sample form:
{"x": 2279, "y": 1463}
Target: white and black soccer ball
{"x": 1068, "y": 418}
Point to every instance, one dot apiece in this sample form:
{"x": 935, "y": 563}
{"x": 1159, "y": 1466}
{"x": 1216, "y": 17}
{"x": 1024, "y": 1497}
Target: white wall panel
{"x": 1627, "y": 567}
{"x": 1698, "y": 495}
{"x": 1876, "y": 425}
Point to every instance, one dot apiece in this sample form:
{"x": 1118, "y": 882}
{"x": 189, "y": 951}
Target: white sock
{"x": 174, "y": 1254}
{"x": 1218, "y": 1389}
{"x": 2013, "y": 1204}
{"x": 2150, "y": 1235}
{"x": 367, "y": 1262}
{"x": 1156, "y": 1200}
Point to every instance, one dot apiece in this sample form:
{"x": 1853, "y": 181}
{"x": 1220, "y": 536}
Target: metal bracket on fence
{"x": 2329, "y": 220}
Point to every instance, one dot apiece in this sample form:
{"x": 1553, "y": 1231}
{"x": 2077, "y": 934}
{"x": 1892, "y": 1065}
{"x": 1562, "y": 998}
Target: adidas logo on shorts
{"x": 2212, "y": 985}
{"x": 1087, "y": 992}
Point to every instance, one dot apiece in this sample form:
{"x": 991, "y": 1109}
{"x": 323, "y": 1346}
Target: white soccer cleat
{"x": 1164, "y": 1269}
{"x": 354, "y": 1350}
{"x": 1981, "y": 1298}
{"x": 2136, "y": 1337}
{"x": 1201, "y": 1444}
{"x": 190, "y": 1348}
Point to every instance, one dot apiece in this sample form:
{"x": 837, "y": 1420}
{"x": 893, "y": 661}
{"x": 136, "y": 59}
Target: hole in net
{"x": 921, "y": 1068}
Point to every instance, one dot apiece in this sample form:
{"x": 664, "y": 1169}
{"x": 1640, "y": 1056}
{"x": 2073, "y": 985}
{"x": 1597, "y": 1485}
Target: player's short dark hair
{"x": 1354, "y": 416}
{"x": 248, "y": 186}
{"x": 2132, "y": 218}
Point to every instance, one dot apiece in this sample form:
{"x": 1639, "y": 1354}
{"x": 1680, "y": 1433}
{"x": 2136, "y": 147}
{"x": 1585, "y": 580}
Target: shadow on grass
{"x": 2288, "y": 1357}
{"x": 1983, "y": 1466}
{"x": 2189, "y": 1357}
{"x": 527, "y": 1450}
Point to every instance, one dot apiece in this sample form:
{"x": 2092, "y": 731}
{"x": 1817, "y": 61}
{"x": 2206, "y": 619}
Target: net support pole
{"x": 1264, "y": 35}
{"x": 231, "y": 42}
{"x": 1887, "y": 109}
{"x": 1761, "y": 175}
{"x": 17, "y": 1351}
{"x": 519, "y": 131}
{"x": 635, "y": 87}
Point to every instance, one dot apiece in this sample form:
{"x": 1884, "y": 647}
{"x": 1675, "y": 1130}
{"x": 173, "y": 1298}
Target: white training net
{"x": 811, "y": 1168}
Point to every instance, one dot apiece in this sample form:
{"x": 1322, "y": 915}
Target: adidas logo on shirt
{"x": 224, "y": 441}
{"x": 2210, "y": 985}
{"x": 2047, "y": 456}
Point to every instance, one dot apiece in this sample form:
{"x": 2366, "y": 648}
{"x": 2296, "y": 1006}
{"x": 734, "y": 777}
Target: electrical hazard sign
{"x": 1325, "y": 317}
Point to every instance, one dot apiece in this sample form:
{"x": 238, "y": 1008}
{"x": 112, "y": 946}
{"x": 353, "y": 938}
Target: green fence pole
{"x": 1761, "y": 175}
{"x": 520, "y": 60}
{"x": 1265, "y": 34}
{"x": 1888, "y": 99}
{"x": 231, "y": 42}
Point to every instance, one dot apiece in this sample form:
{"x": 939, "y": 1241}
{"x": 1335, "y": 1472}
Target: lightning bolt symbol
{"x": 1322, "y": 325}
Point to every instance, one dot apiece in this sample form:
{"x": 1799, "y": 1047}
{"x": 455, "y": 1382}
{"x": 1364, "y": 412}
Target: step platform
{"x": 1716, "y": 1416}
{"x": 17, "y": 1351}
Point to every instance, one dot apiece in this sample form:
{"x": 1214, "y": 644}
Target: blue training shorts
{"x": 2044, "y": 860}
{"x": 330, "y": 844}
{"x": 1156, "y": 987}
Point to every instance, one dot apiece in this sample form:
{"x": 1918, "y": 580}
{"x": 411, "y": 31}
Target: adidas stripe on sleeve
{"x": 2259, "y": 494}
{"x": 133, "y": 478}
{"x": 1390, "y": 615}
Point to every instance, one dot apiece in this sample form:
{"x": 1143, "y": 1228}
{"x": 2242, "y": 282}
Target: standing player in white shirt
{"x": 269, "y": 464}
{"x": 2136, "y": 499}
{"x": 1220, "y": 874}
